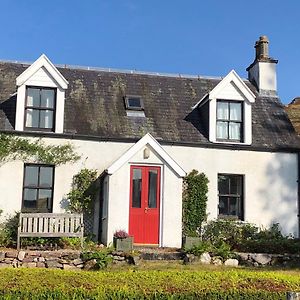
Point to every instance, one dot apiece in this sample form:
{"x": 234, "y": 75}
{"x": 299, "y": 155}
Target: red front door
{"x": 144, "y": 204}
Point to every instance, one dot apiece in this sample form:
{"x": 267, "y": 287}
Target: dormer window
{"x": 229, "y": 121}
{"x": 40, "y": 108}
{"x": 41, "y": 98}
{"x": 134, "y": 103}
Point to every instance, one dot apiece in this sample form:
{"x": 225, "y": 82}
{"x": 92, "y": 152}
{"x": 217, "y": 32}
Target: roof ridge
{"x": 124, "y": 71}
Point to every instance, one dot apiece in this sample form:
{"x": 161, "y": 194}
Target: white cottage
{"x": 144, "y": 132}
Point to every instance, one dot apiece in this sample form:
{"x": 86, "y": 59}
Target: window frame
{"x": 228, "y": 121}
{"x": 239, "y": 197}
{"x": 38, "y": 187}
{"x": 136, "y": 108}
{"x": 40, "y": 108}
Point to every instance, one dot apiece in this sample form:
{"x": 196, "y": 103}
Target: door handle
{"x": 146, "y": 209}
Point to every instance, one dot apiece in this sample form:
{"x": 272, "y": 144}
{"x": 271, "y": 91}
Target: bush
{"x": 245, "y": 237}
{"x": 9, "y": 231}
{"x": 102, "y": 257}
{"x": 222, "y": 250}
{"x": 231, "y": 232}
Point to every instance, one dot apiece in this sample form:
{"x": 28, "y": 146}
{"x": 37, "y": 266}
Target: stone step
{"x": 162, "y": 255}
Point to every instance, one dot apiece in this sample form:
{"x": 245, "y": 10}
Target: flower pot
{"x": 123, "y": 244}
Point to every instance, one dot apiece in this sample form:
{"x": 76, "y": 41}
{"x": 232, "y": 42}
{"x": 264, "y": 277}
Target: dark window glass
{"x": 152, "y": 191}
{"x": 40, "y": 108}
{"x": 136, "y": 188}
{"x": 134, "y": 103}
{"x": 230, "y": 195}
{"x": 229, "y": 120}
{"x": 38, "y": 188}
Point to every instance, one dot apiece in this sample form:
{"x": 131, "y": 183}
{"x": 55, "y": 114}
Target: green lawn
{"x": 150, "y": 281}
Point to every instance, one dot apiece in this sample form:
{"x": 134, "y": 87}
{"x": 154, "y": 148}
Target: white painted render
{"x": 264, "y": 75}
{"x": 270, "y": 188}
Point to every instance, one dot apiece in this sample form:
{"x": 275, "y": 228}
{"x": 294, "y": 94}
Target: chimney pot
{"x": 262, "y": 48}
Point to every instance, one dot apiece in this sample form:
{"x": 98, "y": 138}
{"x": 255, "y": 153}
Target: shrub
{"x": 231, "y": 232}
{"x": 222, "y": 250}
{"x": 9, "y": 231}
{"x": 194, "y": 203}
{"x": 102, "y": 257}
{"x": 245, "y": 237}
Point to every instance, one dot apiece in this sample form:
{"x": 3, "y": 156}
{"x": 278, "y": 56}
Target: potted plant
{"x": 122, "y": 241}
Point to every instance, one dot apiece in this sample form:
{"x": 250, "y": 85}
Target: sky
{"x": 207, "y": 38}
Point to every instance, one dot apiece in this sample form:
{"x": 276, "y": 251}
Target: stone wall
{"x": 67, "y": 260}
{"x": 246, "y": 259}
{"x": 72, "y": 259}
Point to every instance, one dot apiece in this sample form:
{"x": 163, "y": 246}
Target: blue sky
{"x": 188, "y": 37}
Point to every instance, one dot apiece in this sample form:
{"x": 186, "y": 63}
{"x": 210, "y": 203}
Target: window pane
{"x": 222, "y": 130}
{"x": 32, "y": 118}
{"x": 223, "y": 206}
{"x": 136, "y": 188}
{"x": 236, "y": 185}
{"x": 233, "y": 206}
{"x": 30, "y": 196}
{"x": 31, "y": 176}
{"x": 235, "y": 111}
{"x": 33, "y": 97}
{"x": 223, "y": 184}
{"x": 235, "y": 131}
{"x": 46, "y": 177}
{"x": 134, "y": 102}
{"x": 47, "y": 98}
{"x": 152, "y": 193}
{"x": 44, "y": 200}
{"x": 46, "y": 119}
{"x": 222, "y": 111}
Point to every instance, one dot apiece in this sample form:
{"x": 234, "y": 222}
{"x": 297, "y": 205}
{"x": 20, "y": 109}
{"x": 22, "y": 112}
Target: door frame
{"x": 161, "y": 166}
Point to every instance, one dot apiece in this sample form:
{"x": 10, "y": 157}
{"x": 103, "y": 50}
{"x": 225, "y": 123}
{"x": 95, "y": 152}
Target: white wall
{"x": 270, "y": 181}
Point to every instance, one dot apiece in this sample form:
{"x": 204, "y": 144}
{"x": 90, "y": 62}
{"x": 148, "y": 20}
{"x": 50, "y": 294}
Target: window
{"x": 230, "y": 195}
{"x": 38, "y": 188}
{"x": 229, "y": 121}
{"x": 40, "y": 108}
{"x": 134, "y": 103}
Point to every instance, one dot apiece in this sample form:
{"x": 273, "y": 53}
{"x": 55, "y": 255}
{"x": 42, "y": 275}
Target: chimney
{"x": 262, "y": 72}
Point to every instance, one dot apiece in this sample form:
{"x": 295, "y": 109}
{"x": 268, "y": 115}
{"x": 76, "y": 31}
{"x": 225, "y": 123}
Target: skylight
{"x": 134, "y": 103}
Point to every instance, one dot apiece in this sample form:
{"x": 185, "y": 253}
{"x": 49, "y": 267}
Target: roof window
{"x": 134, "y": 103}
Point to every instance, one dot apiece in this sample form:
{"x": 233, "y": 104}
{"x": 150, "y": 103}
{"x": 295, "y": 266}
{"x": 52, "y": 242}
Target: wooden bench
{"x": 50, "y": 225}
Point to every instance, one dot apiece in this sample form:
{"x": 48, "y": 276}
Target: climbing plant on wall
{"x": 83, "y": 192}
{"x": 194, "y": 202}
{"x": 17, "y": 148}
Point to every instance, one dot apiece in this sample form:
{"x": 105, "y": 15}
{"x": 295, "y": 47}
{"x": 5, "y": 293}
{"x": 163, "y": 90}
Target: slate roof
{"x": 94, "y": 107}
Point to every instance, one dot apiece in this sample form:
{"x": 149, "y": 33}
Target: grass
{"x": 149, "y": 279}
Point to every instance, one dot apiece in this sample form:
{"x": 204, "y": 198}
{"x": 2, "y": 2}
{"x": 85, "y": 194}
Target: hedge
{"x": 133, "y": 284}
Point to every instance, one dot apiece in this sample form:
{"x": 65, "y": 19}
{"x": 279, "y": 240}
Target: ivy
{"x": 83, "y": 191}
{"x": 194, "y": 202}
{"x": 17, "y": 148}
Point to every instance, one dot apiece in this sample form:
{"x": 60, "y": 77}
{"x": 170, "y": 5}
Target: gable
{"x": 41, "y": 69}
{"x": 42, "y": 77}
{"x": 231, "y": 91}
{"x": 151, "y": 144}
